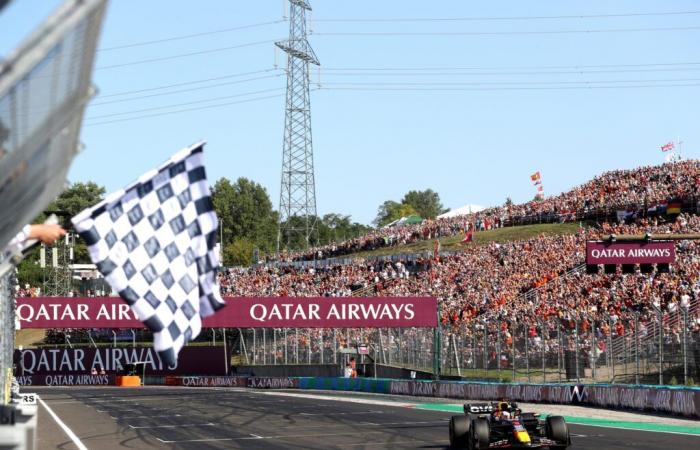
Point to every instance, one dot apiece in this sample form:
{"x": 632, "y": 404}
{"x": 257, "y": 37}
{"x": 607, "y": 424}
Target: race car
{"x": 504, "y": 425}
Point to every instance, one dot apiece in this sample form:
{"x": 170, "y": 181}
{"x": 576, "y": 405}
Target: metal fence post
{"x": 286, "y": 347}
{"x": 578, "y": 380}
{"x": 485, "y": 351}
{"x": 498, "y": 352}
{"x": 684, "y": 309}
{"x": 308, "y": 344}
{"x": 542, "y": 346}
{"x": 636, "y": 348}
{"x": 527, "y": 352}
{"x": 660, "y": 318}
{"x": 296, "y": 345}
{"x": 594, "y": 348}
{"x": 255, "y": 349}
{"x": 560, "y": 349}
{"x": 513, "y": 351}
{"x": 274, "y": 342}
{"x": 264, "y": 346}
{"x": 454, "y": 346}
{"x": 611, "y": 350}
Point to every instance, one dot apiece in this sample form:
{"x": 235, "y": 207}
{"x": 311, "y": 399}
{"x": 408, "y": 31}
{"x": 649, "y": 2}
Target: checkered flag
{"x": 154, "y": 243}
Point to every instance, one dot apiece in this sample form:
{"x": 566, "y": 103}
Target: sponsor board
{"x": 272, "y": 383}
{"x": 210, "y": 381}
{"x": 684, "y": 402}
{"x": 61, "y": 361}
{"x": 630, "y": 252}
{"x": 66, "y": 379}
{"x": 277, "y": 312}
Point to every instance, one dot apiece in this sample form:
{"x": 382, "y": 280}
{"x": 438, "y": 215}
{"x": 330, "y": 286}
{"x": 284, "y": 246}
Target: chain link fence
{"x": 665, "y": 350}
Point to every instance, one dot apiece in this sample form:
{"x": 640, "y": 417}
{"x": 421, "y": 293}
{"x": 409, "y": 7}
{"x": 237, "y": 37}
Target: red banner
{"x": 273, "y": 312}
{"x": 630, "y": 252}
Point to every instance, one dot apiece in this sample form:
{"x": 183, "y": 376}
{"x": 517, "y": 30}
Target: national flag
{"x": 536, "y": 176}
{"x": 154, "y": 241}
{"x": 468, "y": 237}
{"x": 667, "y": 147}
{"x": 674, "y": 208}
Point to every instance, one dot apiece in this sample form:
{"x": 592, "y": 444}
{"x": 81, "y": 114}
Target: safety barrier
{"x": 673, "y": 400}
{"x": 379, "y": 385}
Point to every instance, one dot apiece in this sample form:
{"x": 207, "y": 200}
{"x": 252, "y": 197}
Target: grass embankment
{"x": 500, "y": 235}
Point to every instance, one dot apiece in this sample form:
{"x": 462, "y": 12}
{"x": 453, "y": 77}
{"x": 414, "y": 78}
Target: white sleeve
{"x": 17, "y": 243}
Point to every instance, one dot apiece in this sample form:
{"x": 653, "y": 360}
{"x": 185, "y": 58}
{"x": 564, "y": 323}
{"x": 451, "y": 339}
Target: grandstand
{"x": 514, "y": 307}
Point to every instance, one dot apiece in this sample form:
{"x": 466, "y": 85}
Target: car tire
{"x": 459, "y": 431}
{"x": 557, "y": 430}
{"x": 480, "y": 434}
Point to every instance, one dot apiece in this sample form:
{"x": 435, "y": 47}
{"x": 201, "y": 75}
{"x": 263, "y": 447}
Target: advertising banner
{"x": 630, "y": 252}
{"x": 273, "y": 312}
{"x": 55, "y": 362}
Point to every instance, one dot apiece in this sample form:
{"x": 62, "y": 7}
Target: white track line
{"x": 76, "y": 440}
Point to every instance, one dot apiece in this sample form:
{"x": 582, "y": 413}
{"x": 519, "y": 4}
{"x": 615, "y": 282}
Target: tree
{"x": 390, "y": 211}
{"x": 245, "y": 212}
{"x": 426, "y": 203}
{"x": 239, "y": 253}
{"x": 77, "y": 197}
{"x": 338, "y": 228}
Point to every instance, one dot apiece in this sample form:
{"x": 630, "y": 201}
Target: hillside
{"x": 452, "y": 243}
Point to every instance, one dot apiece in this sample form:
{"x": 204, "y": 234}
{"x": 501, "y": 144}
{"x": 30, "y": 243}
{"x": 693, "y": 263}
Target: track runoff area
{"x": 210, "y": 418}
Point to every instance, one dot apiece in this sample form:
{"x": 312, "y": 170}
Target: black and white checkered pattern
{"x": 154, "y": 243}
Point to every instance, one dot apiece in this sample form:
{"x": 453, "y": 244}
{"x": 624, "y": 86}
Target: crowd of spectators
{"x": 533, "y": 287}
{"x": 636, "y": 191}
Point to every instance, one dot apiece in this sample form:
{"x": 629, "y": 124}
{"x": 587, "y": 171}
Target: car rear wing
{"x": 478, "y": 408}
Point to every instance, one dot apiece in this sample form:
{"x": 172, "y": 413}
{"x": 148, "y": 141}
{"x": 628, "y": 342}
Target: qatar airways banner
{"x": 630, "y": 252}
{"x": 78, "y": 362}
{"x": 243, "y": 312}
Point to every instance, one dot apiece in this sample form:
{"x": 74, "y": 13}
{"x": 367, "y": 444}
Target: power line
{"x": 189, "y": 36}
{"x": 580, "y": 66}
{"x": 183, "y": 110}
{"x": 155, "y": 108}
{"x": 505, "y": 33}
{"x": 186, "y": 83}
{"x": 527, "y": 88}
{"x": 455, "y": 73}
{"x": 500, "y": 83}
{"x": 507, "y": 18}
{"x": 141, "y": 97}
{"x": 185, "y": 55}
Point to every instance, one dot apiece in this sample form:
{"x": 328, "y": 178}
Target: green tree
{"x": 426, "y": 203}
{"x": 77, "y": 197}
{"x": 245, "y": 212}
{"x": 239, "y": 253}
{"x": 338, "y": 228}
{"x": 391, "y": 210}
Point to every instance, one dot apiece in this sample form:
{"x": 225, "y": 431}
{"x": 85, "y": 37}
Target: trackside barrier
{"x": 379, "y": 386}
{"x": 673, "y": 400}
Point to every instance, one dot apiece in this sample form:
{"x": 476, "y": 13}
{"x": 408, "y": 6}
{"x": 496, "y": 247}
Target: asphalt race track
{"x": 215, "y": 418}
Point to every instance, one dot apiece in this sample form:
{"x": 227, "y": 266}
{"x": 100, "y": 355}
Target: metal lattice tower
{"x": 298, "y": 189}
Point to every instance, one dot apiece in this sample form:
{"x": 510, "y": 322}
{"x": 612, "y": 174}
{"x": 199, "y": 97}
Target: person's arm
{"x": 46, "y": 233}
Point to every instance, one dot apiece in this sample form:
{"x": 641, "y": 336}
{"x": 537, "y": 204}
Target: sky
{"x": 463, "y": 97}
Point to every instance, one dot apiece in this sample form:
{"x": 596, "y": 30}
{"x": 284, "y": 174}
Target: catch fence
{"x": 665, "y": 350}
